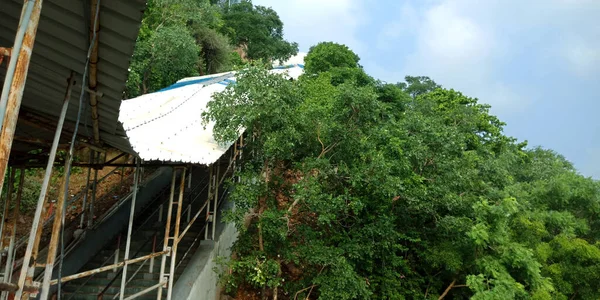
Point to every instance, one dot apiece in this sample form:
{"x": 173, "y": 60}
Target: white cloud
{"x": 309, "y": 22}
{"x": 583, "y": 56}
{"x": 460, "y": 52}
{"x": 465, "y": 44}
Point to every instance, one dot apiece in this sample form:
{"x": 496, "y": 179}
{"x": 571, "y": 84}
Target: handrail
{"x": 139, "y": 227}
{"x": 121, "y": 269}
{"x": 157, "y": 196}
{"x": 223, "y": 195}
{"x": 161, "y": 244}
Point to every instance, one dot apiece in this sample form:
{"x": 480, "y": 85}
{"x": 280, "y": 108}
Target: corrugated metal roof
{"x": 167, "y": 125}
{"x": 61, "y": 45}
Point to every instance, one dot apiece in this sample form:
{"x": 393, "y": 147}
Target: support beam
{"x": 85, "y": 196}
{"x": 176, "y": 236}
{"x": 8, "y": 268}
{"x": 62, "y": 195}
{"x": 93, "y": 196}
{"x": 92, "y": 80}
{"x": 14, "y": 82}
{"x": 12, "y": 287}
{"x": 130, "y": 228}
{"x": 39, "y": 142}
{"x": 166, "y": 237}
{"x": 7, "y": 200}
{"x": 109, "y": 267}
{"x": 20, "y": 66}
{"x": 216, "y": 203}
{"x": 210, "y": 189}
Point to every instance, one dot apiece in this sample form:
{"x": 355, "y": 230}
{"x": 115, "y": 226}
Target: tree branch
{"x": 302, "y": 290}
{"x": 447, "y": 290}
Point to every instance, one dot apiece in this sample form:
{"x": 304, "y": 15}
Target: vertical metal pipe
{"x": 85, "y": 196}
{"x": 166, "y": 237}
{"x": 62, "y": 195}
{"x": 189, "y": 213}
{"x": 176, "y": 236}
{"x": 34, "y": 251}
{"x": 93, "y": 68}
{"x": 7, "y": 200}
{"x": 15, "y": 90}
{"x": 93, "y": 198}
{"x": 130, "y": 228}
{"x": 160, "y": 213}
{"x": 210, "y": 181}
{"x": 116, "y": 259}
{"x": 122, "y": 175}
{"x": 12, "y": 65}
{"x": 190, "y": 178}
{"x": 215, "y": 204}
{"x": 11, "y": 246}
{"x": 40, "y": 205}
{"x": 151, "y": 269}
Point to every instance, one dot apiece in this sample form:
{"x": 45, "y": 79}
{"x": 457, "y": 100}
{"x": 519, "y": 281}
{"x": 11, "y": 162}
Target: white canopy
{"x": 167, "y": 125}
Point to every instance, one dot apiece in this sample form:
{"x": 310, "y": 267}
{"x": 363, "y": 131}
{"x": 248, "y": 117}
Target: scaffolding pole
{"x": 136, "y": 175}
{"x": 14, "y": 82}
{"x": 176, "y": 235}
{"x": 12, "y": 68}
{"x": 216, "y": 203}
{"x": 7, "y": 200}
{"x": 87, "y": 191}
{"x": 8, "y": 268}
{"x": 62, "y": 195}
{"x": 109, "y": 267}
{"x": 210, "y": 187}
{"x": 166, "y": 237}
{"x": 93, "y": 196}
{"x": 37, "y": 226}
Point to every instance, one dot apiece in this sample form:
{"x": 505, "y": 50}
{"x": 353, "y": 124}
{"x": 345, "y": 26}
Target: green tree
{"x": 257, "y": 30}
{"x": 165, "y": 56}
{"x": 356, "y": 189}
{"x": 216, "y": 52}
{"x": 418, "y": 85}
{"x": 326, "y": 56}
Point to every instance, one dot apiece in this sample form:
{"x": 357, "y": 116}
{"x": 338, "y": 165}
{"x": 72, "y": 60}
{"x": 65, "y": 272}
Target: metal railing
{"x": 74, "y": 242}
{"x": 141, "y": 226}
{"x": 194, "y": 191}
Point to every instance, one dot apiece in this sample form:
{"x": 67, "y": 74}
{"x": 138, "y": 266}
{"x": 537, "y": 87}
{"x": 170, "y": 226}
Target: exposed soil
{"x": 108, "y": 192}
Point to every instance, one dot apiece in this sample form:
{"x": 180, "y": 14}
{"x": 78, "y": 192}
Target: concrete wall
{"x": 199, "y": 281}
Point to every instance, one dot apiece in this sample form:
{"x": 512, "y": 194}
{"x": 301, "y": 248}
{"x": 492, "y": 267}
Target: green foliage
{"x": 356, "y": 189}
{"x": 183, "y": 38}
{"x": 418, "y": 85}
{"x": 167, "y": 55}
{"x": 258, "y": 30}
{"x": 326, "y": 56}
{"x": 216, "y": 51}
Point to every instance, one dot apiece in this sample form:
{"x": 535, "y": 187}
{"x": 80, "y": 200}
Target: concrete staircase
{"x": 148, "y": 237}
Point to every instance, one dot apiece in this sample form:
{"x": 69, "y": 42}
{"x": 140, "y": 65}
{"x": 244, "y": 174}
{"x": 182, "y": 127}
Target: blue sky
{"x": 537, "y": 62}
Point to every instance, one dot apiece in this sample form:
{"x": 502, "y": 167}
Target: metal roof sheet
{"x": 167, "y": 125}
{"x": 61, "y": 45}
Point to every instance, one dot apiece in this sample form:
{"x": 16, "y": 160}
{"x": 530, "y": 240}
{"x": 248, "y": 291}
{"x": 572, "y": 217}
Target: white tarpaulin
{"x": 167, "y": 125}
